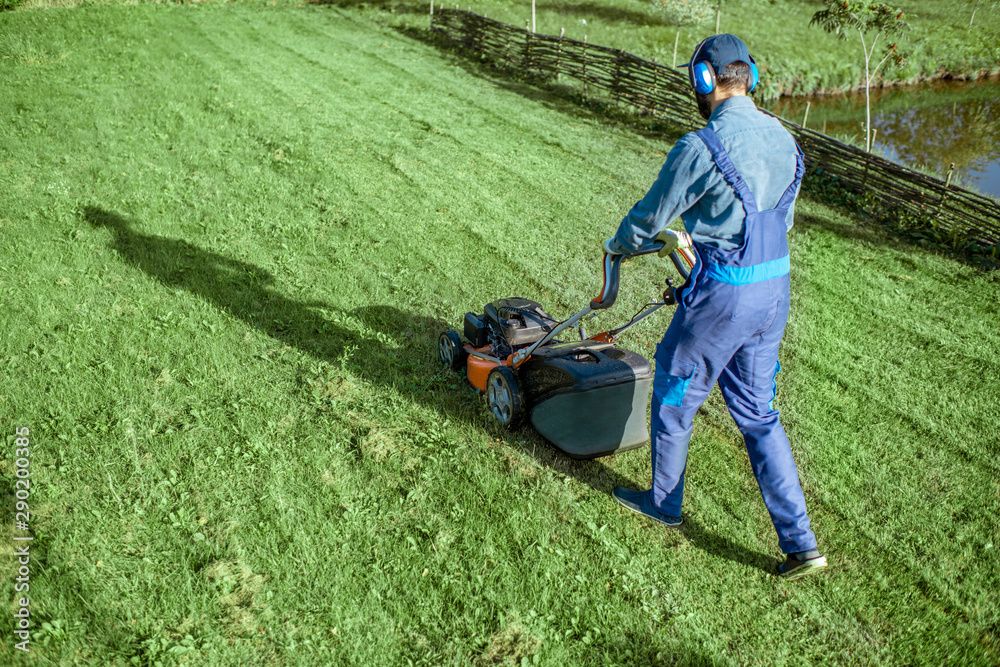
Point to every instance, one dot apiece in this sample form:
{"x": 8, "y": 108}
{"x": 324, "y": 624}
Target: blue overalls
{"x": 729, "y": 322}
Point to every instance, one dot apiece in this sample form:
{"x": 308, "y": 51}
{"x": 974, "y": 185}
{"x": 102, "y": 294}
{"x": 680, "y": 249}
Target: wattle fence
{"x": 886, "y": 190}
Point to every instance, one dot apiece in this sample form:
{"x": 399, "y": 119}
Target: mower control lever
{"x": 612, "y": 275}
{"x": 669, "y": 296}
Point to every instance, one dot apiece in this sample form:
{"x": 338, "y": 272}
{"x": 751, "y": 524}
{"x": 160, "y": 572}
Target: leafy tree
{"x": 683, "y": 13}
{"x": 868, "y": 18}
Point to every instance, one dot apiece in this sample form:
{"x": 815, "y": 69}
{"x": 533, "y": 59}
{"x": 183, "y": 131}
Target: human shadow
{"x": 239, "y": 288}
{"x": 248, "y": 292}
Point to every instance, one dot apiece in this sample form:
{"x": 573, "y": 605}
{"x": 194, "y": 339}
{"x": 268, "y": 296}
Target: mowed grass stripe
{"x": 492, "y": 173}
{"x": 892, "y": 443}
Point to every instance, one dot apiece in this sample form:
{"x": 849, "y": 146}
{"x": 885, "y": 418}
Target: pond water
{"x": 927, "y": 126}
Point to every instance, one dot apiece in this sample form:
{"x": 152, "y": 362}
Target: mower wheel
{"x": 451, "y": 352}
{"x": 503, "y": 396}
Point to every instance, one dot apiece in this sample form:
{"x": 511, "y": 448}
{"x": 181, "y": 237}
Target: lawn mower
{"x": 587, "y": 396}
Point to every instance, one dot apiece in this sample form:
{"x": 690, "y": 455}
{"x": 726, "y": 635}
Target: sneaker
{"x": 638, "y": 501}
{"x": 800, "y": 564}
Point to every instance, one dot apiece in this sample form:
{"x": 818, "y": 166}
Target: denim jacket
{"x": 690, "y": 186}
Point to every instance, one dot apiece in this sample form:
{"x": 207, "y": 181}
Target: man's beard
{"x": 704, "y": 108}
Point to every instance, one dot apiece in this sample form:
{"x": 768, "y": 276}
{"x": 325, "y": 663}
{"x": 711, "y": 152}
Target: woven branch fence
{"x": 891, "y": 191}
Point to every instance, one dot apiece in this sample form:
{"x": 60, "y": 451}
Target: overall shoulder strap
{"x": 725, "y": 165}
{"x": 800, "y": 168}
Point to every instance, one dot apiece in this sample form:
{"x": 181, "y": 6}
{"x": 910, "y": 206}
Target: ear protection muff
{"x": 703, "y": 77}
{"x": 701, "y": 74}
{"x": 754, "y": 75}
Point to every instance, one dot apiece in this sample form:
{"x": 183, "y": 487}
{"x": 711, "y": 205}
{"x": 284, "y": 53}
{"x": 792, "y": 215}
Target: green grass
{"x": 795, "y": 58}
{"x": 231, "y": 236}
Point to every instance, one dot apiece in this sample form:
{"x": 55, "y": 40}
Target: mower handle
{"x": 612, "y": 275}
{"x": 609, "y": 292}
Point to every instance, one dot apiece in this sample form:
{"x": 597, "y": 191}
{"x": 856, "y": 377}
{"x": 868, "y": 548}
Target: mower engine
{"x": 508, "y": 324}
{"x": 587, "y": 397}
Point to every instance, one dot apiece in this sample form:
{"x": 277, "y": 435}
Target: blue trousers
{"x": 728, "y": 334}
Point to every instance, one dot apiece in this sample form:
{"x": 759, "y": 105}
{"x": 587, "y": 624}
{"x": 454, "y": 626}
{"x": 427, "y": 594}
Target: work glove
{"x": 672, "y": 241}
{"x": 610, "y": 247}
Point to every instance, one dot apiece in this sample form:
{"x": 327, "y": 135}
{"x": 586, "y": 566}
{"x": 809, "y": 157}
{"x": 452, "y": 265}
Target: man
{"x": 734, "y": 185}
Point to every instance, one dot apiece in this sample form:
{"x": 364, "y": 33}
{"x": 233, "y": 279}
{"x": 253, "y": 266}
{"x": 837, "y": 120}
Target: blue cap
{"x": 718, "y": 51}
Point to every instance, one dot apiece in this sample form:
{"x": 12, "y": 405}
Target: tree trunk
{"x": 868, "y": 112}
